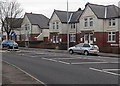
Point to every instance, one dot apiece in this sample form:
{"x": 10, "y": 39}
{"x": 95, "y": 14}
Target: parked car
{"x": 84, "y": 48}
{"x": 10, "y": 44}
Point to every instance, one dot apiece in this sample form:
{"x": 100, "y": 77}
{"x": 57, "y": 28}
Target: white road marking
{"x": 89, "y": 63}
{"x": 64, "y": 62}
{"x": 67, "y": 58}
{"x": 105, "y": 71}
{"x": 26, "y": 73}
{"x": 111, "y": 69}
{"x": 56, "y": 60}
{"x": 50, "y": 59}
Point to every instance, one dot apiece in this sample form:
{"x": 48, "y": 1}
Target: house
{"x": 58, "y": 28}
{"x": 14, "y": 25}
{"x": 35, "y": 27}
{"x": 100, "y": 24}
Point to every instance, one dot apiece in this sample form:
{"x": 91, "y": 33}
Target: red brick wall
{"x": 45, "y": 39}
{"x": 63, "y": 37}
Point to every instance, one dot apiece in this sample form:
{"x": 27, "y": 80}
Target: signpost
{"x": 13, "y": 34}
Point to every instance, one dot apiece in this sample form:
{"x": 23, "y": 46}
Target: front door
{"x": 88, "y": 38}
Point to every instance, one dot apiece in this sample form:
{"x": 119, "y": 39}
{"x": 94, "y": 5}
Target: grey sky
{"x": 47, "y": 7}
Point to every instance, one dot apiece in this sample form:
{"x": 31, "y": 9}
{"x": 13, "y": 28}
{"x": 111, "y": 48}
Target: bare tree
{"x": 9, "y": 11}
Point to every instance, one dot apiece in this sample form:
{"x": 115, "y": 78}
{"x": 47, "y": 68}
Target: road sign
{"x": 13, "y": 34}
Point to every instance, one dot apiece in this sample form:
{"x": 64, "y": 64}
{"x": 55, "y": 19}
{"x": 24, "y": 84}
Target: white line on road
{"x": 89, "y": 63}
{"x": 64, "y": 62}
{"x": 111, "y": 69}
{"x": 55, "y": 60}
{"x": 104, "y": 71}
{"x": 50, "y": 59}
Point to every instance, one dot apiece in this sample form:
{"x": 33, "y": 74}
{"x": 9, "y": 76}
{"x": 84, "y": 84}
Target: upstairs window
{"x": 112, "y": 22}
{"x": 73, "y": 26}
{"x": 91, "y": 21}
{"x": 85, "y": 22}
{"x": 53, "y": 25}
{"x": 56, "y": 25}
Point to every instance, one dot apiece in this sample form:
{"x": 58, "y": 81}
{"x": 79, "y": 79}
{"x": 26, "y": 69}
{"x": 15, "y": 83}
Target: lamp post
{"x": 67, "y": 27}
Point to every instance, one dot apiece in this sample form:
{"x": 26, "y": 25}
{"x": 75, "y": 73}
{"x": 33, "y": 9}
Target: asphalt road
{"x": 63, "y": 68}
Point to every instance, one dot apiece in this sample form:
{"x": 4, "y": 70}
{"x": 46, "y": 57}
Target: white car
{"x": 84, "y": 48}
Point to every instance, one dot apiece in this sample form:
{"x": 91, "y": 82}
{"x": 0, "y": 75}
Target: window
{"x": 86, "y": 45}
{"x": 56, "y": 25}
{"x": 53, "y": 25}
{"x": 85, "y": 22}
{"x": 72, "y": 37}
{"x": 55, "y": 39}
{"x": 112, "y": 22}
{"x": 88, "y": 22}
{"x": 73, "y": 26}
{"x": 91, "y": 21}
{"x": 111, "y": 36}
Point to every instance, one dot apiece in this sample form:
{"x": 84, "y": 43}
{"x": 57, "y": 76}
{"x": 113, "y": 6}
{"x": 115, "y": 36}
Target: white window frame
{"x": 111, "y": 36}
{"x": 72, "y": 37}
{"x": 91, "y": 21}
{"x": 73, "y": 26}
{"x": 55, "y": 25}
{"x": 85, "y": 22}
{"x": 88, "y": 22}
{"x": 112, "y": 22}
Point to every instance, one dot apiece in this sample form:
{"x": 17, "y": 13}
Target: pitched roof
{"x": 101, "y": 11}
{"x": 15, "y": 22}
{"x": 38, "y": 19}
{"x": 72, "y": 16}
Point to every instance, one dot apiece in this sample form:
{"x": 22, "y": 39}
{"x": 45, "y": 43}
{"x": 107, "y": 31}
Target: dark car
{"x": 10, "y": 44}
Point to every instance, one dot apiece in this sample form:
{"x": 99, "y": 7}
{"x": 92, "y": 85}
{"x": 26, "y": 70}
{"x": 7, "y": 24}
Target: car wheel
{"x": 71, "y": 51}
{"x": 86, "y": 52}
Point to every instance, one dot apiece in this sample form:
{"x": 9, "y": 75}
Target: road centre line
{"x": 104, "y": 71}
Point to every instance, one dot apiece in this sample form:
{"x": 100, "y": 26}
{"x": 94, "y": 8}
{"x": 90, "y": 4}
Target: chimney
{"x": 105, "y": 12}
{"x": 79, "y": 9}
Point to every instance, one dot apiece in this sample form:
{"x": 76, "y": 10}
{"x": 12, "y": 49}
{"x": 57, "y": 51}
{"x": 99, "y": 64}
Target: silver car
{"x": 84, "y": 48}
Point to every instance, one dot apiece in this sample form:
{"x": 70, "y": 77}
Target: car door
{"x": 85, "y": 47}
{"x": 78, "y": 48}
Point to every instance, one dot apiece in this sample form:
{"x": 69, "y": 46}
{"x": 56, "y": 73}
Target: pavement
{"x": 13, "y": 75}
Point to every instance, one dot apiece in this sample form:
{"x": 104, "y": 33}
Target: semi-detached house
{"x": 58, "y": 26}
{"x": 34, "y": 27}
{"x": 100, "y": 24}
{"x": 97, "y": 24}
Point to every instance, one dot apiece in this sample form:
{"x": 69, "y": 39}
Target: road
{"x": 63, "y": 68}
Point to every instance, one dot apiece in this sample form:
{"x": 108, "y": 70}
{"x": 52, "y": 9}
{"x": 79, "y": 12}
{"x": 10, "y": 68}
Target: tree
{"x": 9, "y": 11}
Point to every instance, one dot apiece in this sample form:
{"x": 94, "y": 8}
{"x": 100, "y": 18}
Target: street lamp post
{"x": 67, "y": 27}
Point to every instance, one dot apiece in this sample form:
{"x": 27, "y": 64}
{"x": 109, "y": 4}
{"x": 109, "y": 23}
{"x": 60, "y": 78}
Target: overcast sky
{"x": 46, "y": 7}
